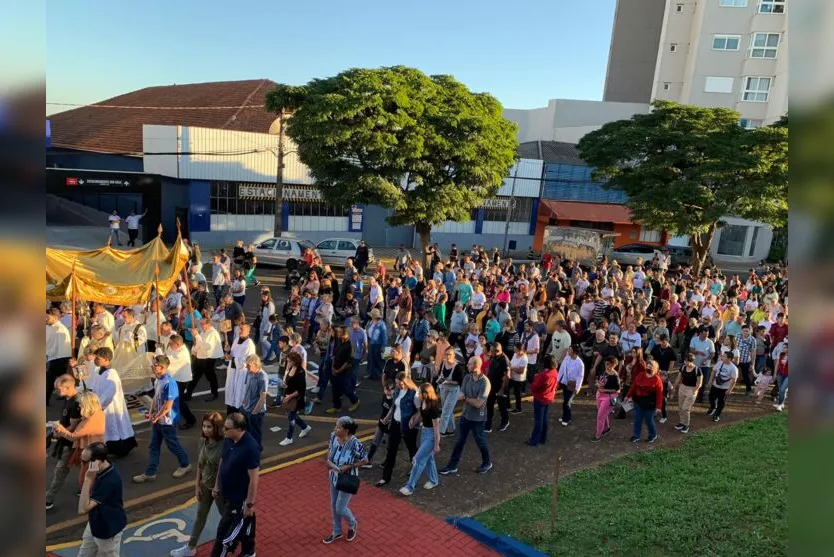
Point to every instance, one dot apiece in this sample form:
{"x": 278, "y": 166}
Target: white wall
{"x": 313, "y": 224}
{"x": 498, "y": 227}
{"x": 253, "y": 156}
{"x": 451, "y": 227}
{"x": 252, "y": 223}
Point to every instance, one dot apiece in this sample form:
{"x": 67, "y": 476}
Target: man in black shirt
{"x": 102, "y": 501}
{"x": 499, "y": 379}
{"x": 394, "y": 364}
{"x": 344, "y": 382}
{"x": 664, "y": 354}
{"x": 70, "y": 416}
{"x": 237, "y": 483}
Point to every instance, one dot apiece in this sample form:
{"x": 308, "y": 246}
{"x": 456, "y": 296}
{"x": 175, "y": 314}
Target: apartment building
{"x": 730, "y": 53}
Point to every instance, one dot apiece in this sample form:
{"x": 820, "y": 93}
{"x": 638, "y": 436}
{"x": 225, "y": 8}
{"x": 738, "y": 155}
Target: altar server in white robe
{"x": 241, "y": 348}
{"x": 118, "y": 431}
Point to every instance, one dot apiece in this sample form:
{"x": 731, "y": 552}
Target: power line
{"x": 238, "y": 107}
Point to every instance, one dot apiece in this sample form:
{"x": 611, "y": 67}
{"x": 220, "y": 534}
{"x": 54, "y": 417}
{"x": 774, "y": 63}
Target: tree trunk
{"x": 424, "y": 231}
{"x": 700, "y": 248}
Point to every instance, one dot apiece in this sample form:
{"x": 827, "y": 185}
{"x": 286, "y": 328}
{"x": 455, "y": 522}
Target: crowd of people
{"x": 470, "y": 332}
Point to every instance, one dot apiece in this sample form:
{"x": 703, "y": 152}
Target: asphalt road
{"x": 145, "y": 500}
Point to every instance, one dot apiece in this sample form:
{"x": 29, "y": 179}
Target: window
{"x": 283, "y": 245}
{"x": 756, "y": 89}
{"x": 224, "y": 200}
{"x": 327, "y": 244}
{"x": 731, "y": 241}
{"x": 269, "y": 244}
{"x": 673, "y": 47}
{"x": 753, "y": 241}
{"x": 726, "y": 42}
{"x": 666, "y": 85}
{"x": 316, "y": 209}
{"x": 496, "y": 210}
{"x": 346, "y": 246}
{"x": 732, "y": 3}
{"x": 679, "y": 8}
{"x": 718, "y": 85}
{"x": 649, "y": 235}
{"x": 750, "y": 124}
{"x": 772, "y": 6}
{"x": 764, "y": 45}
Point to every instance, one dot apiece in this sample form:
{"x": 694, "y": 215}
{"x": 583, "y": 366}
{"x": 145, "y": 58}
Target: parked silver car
{"x": 335, "y": 251}
{"x": 281, "y": 251}
{"x": 630, "y": 253}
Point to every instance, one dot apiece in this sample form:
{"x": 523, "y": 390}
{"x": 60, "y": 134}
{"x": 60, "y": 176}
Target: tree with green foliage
{"x": 424, "y": 146}
{"x": 684, "y": 168}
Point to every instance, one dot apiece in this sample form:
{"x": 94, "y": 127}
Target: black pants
{"x": 395, "y": 434}
{"x": 231, "y": 410}
{"x": 416, "y": 348}
{"x": 233, "y": 529}
{"x": 706, "y": 371}
{"x": 54, "y": 369}
{"x": 132, "y": 234}
{"x": 566, "y": 403}
{"x": 204, "y": 366}
{"x": 150, "y": 346}
{"x": 517, "y": 387}
{"x": 717, "y": 398}
{"x": 744, "y": 367}
{"x": 185, "y": 412}
{"x": 503, "y": 405}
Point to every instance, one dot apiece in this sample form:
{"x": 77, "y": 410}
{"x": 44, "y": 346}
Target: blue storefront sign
{"x": 357, "y": 218}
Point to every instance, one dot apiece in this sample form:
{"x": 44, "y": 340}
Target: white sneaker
{"x": 285, "y": 442}
{"x": 183, "y": 551}
{"x": 662, "y": 420}
{"x": 429, "y": 485}
{"x": 405, "y": 491}
{"x": 779, "y": 407}
{"x": 305, "y": 431}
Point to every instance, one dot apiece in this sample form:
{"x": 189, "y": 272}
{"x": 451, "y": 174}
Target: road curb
{"x": 501, "y": 544}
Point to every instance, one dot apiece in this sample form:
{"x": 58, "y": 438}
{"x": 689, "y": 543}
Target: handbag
{"x": 348, "y": 483}
{"x": 290, "y": 405}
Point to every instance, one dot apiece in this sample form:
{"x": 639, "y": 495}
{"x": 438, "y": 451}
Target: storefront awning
{"x": 593, "y": 212}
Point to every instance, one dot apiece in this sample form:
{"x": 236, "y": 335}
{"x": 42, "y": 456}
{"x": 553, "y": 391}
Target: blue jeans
{"x": 448, "y": 398}
{"x": 255, "y": 427}
{"x": 168, "y": 433}
{"x": 423, "y": 460}
{"x": 566, "y": 405}
{"x": 761, "y": 363}
{"x": 325, "y": 376}
{"x": 539, "y": 434}
{"x": 782, "y": 383}
{"x": 273, "y": 350}
{"x": 375, "y": 360}
{"x": 294, "y": 419}
{"x": 644, "y": 415}
{"x": 339, "y": 509}
{"x": 114, "y": 235}
{"x": 477, "y": 429}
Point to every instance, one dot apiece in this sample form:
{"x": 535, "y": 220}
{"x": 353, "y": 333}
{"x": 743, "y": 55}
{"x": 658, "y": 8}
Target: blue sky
{"x": 523, "y": 52}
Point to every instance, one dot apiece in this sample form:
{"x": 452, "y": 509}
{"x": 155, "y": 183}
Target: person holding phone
{"x": 102, "y": 501}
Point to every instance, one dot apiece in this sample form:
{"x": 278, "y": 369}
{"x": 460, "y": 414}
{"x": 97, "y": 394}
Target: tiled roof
{"x": 593, "y": 212}
{"x": 119, "y": 130}
{"x": 551, "y": 152}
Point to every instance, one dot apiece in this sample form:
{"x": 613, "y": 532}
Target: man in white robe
{"x": 241, "y": 348}
{"x": 118, "y": 430}
{"x": 132, "y": 332}
{"x": 104, "y": 318}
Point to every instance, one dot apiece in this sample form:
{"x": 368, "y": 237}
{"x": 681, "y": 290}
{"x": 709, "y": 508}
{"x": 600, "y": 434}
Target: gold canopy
{"x": 117, "y": 277}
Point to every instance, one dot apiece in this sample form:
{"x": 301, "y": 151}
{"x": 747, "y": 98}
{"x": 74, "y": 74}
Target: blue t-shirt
{"x": 189, "y": 324}
{"x": 108, "y": 518}
{"x": 238, "y": 458}
{"x": 358, "y": 337}
{"x": 254, "y": 385}
{"x": 166, "y": 389}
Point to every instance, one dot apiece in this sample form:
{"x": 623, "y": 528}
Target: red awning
{"x": 593, "y": 212}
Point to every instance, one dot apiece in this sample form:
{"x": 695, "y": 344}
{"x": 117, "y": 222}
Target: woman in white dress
{"x": 118, "y": 430}
{"x": 241, "y": 348}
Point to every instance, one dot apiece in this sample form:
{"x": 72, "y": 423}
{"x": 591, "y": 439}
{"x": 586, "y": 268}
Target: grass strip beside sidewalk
{"x": 722, "y": 492}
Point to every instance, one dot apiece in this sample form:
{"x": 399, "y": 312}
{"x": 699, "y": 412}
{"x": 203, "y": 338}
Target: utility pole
{"x": 279, "y": 178}
{"x": 510, "y": 211}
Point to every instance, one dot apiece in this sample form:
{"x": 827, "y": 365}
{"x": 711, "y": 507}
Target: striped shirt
{"x": 351, "y": 452}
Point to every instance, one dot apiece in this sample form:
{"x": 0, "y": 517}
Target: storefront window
{"x": 732, "y": 240}
{"x": 496, "y": 209}
{"x": 257, "y": 199}
{"x": 316, "y": 209}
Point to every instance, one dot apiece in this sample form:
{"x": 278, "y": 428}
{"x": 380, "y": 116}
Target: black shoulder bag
{"x": 348, "y": 483}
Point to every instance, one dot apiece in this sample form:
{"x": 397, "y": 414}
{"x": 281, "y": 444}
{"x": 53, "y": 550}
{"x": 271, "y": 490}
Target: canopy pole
{"x": 188, "y": 300}
{"x": 158, "y": 300}
{"x": 73, "y": 312}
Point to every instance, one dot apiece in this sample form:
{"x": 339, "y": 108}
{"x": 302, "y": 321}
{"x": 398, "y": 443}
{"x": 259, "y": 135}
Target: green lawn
{"x": 723, "y": 493}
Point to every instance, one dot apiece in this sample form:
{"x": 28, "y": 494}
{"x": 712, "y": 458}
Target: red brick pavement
{"x": 294, "y": 515}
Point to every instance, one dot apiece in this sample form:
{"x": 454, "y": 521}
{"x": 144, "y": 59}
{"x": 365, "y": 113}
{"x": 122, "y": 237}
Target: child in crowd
{"x": 763, "y": 382}
{"x": 274, "y": 333}
{"x": 381, "y": 428}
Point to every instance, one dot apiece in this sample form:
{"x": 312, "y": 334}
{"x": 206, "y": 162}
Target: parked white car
{"x": 335, "y": 251}
{"x": 281, "y": 251}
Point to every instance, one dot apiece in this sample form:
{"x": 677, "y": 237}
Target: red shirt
{"x": 782, "y": 365}
{"x": 643, "y": 386}
{"x": 683, "y": 321}
{"x": 778, "y": 333}
{"x": 544, "y": 386}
